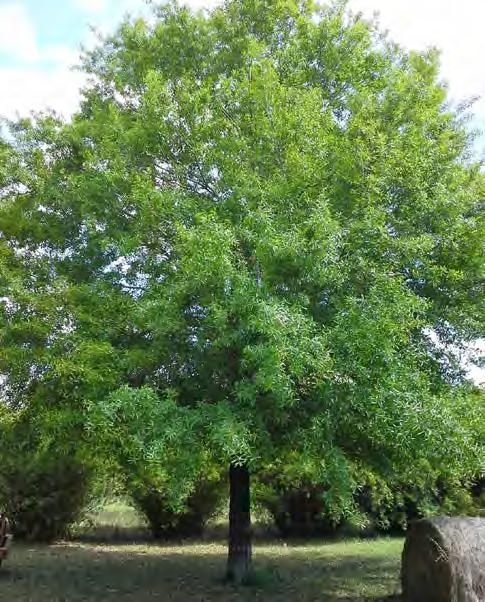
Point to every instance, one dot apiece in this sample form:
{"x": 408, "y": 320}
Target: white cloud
{"x": 33, "y": 88}
{"x": 93, "y": 6}
{"x": 42, "y": 78}
{"x": 60, "y": 55}
{"x": 18, "y": 39}
{"x": 17, "y": 34}
{"x": 201, "y": 3}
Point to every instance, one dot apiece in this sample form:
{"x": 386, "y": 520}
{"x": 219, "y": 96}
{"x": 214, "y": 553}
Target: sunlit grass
{"x": 349, "y": 570}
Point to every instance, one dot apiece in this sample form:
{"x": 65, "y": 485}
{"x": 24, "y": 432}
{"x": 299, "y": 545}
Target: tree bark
{"x": 240, "y": 544}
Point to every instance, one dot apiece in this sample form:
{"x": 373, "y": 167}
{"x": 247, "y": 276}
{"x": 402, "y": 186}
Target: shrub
{"x": 390, "y": 504}
{"x": 43, "y": 495}
{"x": 478, "y": 495}
{"x": 43, "y": 483}
{"x": 165, "y": 522}
{"x": 298, "y": 511}
{"x": 381, "y": 504}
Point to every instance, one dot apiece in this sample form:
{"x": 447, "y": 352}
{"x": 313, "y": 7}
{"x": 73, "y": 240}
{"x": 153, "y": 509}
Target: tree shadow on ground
{"x": 72, "y": 572}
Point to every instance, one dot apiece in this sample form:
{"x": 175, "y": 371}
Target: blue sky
{"x": 40, "y": 42}
{"x": 55, "y": 22}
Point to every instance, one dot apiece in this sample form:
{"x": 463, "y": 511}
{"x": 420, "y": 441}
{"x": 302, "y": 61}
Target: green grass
{"x": 71, "y": 571}
{"x": 90, "y": 569}
{"x": 117, "y": 513}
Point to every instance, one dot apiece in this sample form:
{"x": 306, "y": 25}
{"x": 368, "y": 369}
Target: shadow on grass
{"x": 76, "y": 571}
{"x": 112, "y": 534}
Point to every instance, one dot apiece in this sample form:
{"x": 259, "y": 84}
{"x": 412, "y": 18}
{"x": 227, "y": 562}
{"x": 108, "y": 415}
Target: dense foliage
{"x": 44, "y": 479}
{"x": 189, "y": 521}
{"x": 260, "y": 236}
{"x": 382, "y": 504}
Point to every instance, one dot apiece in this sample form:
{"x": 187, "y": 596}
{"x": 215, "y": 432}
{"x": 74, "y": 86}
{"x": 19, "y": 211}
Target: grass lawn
{"x": 351, "y": 570}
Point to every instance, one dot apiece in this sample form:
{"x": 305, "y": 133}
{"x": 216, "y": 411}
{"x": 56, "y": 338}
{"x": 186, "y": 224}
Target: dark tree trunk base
{"x": 240, "y": 545}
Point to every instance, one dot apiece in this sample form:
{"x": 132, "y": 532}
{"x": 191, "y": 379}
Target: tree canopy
{"x": 260, "y": 238}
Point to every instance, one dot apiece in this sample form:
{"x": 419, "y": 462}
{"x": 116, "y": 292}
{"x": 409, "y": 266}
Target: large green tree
{"x": 258, "y": 239}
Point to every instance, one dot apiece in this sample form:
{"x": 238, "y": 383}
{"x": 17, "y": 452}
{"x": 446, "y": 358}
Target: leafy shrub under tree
{"x": 43, "y": 496}
{"x": 44, "y": 483}
{"x": 381, "y": 505}
{"x": 165, "y": 522}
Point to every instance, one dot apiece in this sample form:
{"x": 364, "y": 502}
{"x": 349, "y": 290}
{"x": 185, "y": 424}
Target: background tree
{"x": 244, "y": 240}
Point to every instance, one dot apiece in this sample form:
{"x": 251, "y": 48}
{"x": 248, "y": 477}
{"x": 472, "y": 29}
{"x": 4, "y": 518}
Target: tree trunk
{"x": 444, "y": 560}
{"x": 240, "y": 549}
